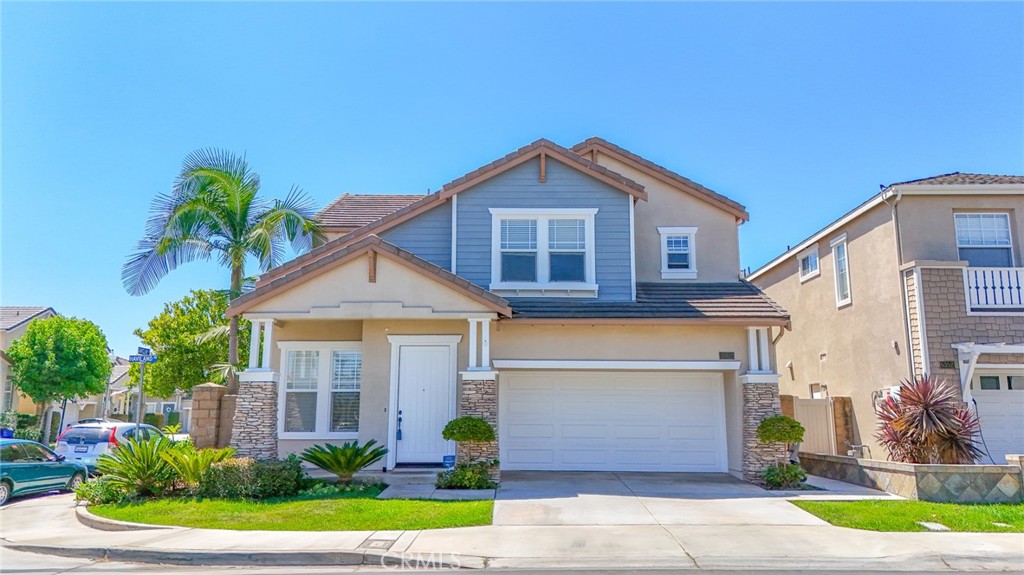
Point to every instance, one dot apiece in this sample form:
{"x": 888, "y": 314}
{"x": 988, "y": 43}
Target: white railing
{"x": 994, "y": 289}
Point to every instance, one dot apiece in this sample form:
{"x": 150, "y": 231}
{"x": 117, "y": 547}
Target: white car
{"x": 84, "y": 443}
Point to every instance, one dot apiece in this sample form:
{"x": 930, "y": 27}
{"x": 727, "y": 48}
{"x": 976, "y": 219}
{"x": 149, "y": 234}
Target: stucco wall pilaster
{"x": 254, "y": 429}
{"x": 479, "y": 398}
{"x": 760, "y": 401}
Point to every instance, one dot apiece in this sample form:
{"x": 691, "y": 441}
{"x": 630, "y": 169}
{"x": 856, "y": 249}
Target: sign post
{"x": 144, "y": 356}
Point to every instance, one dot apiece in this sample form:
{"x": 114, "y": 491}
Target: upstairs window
{"x": 678, "y": 258}
{"x": 841, "y": 263}
{"x": 983, "y": 240}
{"x": 808, "y": 260}
{"x": 548, "y": 249}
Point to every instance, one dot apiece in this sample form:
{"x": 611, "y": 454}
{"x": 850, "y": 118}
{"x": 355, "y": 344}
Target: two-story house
{"x": 925, "y": 278}
{"x": 585, "y": 301}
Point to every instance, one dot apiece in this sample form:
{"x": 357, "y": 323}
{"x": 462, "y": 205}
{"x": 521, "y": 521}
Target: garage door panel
{"x": 618, "y": 421}
{"x": 1002, "y": 421}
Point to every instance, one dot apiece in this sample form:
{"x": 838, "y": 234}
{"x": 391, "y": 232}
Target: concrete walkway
{"x": 671, "y": 537}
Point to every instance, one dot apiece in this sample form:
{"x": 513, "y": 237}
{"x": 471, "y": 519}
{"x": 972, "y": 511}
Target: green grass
{"x": 346, "y": 512}
{"x": 879, "y": 515}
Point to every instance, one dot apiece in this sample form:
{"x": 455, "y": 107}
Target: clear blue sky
{"x": 797, "y": 110}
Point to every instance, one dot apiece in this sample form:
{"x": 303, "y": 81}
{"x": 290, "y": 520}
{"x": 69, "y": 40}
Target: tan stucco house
{"x": 14, "y": 320}
{"x": 585, "y": 301}
{"x": 925, "y": 277}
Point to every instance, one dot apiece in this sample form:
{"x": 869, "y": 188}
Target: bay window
{"x": 320, "y": 389}
{"x": 536, "y": 252}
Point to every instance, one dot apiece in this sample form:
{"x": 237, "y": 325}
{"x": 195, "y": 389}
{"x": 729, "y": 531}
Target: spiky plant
{"x": 346, "y": 460}
{"x": 137, "y": 467}
{"x": 928, "y": 424}
{"x": 190, "y": 463}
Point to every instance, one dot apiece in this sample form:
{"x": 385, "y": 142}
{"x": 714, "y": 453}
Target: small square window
{"x": 989, "y": 381}
{"x": 677, "y": 253}
{"x": 808, "y": 261}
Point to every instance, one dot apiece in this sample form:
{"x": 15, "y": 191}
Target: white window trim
{"x": 841, "y": 239}
{"x": 323, "y": 390}
{"x": 543, "y": 286}
{"x": 669, "y": 274}
{"x": 799, "y": 263}
{"x": 1009, "y": 224}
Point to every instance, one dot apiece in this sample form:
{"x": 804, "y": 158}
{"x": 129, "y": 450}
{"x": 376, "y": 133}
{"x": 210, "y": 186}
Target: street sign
{"x": 142, "y": 358}
{"x": 145, "y": 351}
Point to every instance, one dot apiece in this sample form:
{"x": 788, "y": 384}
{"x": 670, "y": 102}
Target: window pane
{"x": 300, "y": 411}
{"x": 12, "y": 452}
{"x": 567, "y": 234}
{"x": 518, "y": 267}
{"x": 1014, "y": 382}
{"x": 568, "y": 267}
{"x": 987, "y": 257}
{"x": 678, "y": 261}
{"x": 842, "y": 273}
{"x": 677, "y": 244}
{"x": 518, "y": 234}
{"x": 345, "y": 411}
{"x": 303, "y": 367}
{"x": 982, "y": 229}
{"x": 809, "y": 264}
{"x": 347, "y": 370}
{"x": 989, "y": 381}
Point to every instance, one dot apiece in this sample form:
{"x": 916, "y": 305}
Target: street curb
{"x": 237, "y": 558}
{"x": 85, "y": 517}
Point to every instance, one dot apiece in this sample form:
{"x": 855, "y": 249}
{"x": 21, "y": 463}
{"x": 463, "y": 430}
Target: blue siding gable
{"x": 565, "y": 187}
{"x": 428, "y": 235}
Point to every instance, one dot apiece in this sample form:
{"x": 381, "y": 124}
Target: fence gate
{"x": 819, "y": 426}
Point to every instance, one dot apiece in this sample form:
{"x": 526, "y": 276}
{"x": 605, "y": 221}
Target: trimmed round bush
{"x": 468, "y": 428}
{"x": 780, "y": 429}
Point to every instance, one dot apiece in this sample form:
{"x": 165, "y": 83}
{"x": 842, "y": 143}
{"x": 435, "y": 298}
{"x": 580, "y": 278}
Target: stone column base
{"x": 760, "y": 401}
{"x": 254, "y": 427}
{"x": 479, "y": 398}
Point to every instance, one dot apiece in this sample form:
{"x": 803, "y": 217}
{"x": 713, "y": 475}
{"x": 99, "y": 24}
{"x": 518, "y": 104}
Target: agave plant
{"x": 928, "y": 424}
{"x": 346, "y": 460}
{"x": 190, "y": 463}
{"x": 137, "y": 467}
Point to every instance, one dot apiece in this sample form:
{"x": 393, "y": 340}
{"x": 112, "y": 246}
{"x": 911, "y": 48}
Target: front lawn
{"x": 352, "y": 512}
{"x": 882, "y": 515}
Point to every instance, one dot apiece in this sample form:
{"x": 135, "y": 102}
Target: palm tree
{"x": 213, "y": 209}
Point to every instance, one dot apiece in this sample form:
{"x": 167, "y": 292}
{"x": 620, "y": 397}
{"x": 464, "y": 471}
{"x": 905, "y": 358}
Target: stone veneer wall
{"x": 254, "y": 433}
{"x": 946, "y": 322}
{"x": 938, "y": 483}
{"x": 760, "y": 401}
{"x": 480, "y": 399}
{"x": 205, "y": 425}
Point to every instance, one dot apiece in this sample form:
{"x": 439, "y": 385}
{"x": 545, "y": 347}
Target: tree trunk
{"x": 236, "y": 290}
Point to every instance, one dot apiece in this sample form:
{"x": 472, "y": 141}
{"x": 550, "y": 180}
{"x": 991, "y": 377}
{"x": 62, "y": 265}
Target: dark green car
{"x": 28, "y": 467}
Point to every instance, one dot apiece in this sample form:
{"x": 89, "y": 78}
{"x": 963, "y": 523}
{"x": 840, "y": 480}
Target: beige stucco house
{"x": 586, "y": 301}
{"x": 14, "y": 320}
{"x": 925, "y": 277}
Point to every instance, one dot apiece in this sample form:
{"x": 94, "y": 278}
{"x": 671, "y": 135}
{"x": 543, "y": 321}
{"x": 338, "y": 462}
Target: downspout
{"x": 898, "y": 233}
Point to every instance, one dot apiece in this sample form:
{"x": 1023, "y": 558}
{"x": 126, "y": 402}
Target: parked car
{"x": 96, "y": 420}
{"x": 84, "y": 443}
{"x": 28, "y": 467}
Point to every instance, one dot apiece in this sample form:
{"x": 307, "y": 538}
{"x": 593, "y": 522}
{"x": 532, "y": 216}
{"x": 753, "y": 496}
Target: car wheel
{"x": 5, "y": 492}
{"x": 76, "y": 480}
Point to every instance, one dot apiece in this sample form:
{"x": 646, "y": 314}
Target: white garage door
{"x": 1000, "y": 403}
{"x": 612, "y": 421}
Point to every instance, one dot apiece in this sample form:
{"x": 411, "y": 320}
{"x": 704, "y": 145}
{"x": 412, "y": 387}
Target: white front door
{"x": 426, "y": 403}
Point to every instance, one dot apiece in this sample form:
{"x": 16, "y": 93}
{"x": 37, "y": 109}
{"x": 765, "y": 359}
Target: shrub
{"x": 100, "y": 491}
{"x": 467, "y": 476}
{"x": 468, "y": 428}
{"x": 780, "y": 429}
{"x": 346, "y": 460}
{"x": 172, "y": 429}
{"x": 321, "y": 489}
{"x": 154, "y": 419}
{"x": 118, "y": 416}
{"x": 138, "y": 467}
{"x": 784, "y": 476}
{"x": 30, "y": 434}
{"x": 928, "y": 424}
{"x": 174, "y": 418}
{"x": 26, "y": 420}
{"x": 190, "y": 464}
{"x": 9, "y": 420}
{"x": 243, "y": 478}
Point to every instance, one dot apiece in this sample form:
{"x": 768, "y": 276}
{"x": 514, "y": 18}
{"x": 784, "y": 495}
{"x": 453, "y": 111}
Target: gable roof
{"x": 375, "y": 244}
{"x": 461, "y": 184}
{"x": 963, "y": 179}
{"x": 352, "y": 211}
{"x": 662, "y": 173}
{"x": 13, "y": 316}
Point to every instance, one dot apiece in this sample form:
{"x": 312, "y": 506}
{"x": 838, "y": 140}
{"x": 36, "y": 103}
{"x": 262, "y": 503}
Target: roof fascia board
{"x": 954, "y": 190}
{"x": 744, "y": 321}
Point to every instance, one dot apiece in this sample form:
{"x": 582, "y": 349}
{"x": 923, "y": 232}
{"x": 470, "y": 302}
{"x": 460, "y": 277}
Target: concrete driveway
{"x": 600, "y": 498}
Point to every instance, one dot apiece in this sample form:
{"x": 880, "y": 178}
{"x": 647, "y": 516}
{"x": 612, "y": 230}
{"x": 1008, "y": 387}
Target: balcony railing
{"x": 994, "y": 289}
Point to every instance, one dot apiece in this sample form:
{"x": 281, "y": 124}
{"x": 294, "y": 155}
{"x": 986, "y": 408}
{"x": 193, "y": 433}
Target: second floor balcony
{"x": 994, "y": 289}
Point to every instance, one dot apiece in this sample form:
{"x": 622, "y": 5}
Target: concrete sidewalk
{"x": 48, "y": 525}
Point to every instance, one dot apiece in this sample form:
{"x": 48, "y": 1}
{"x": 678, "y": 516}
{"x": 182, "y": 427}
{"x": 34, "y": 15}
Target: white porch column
{"x": 268, "y": 331}
{"x": 472, "y": 344}
{"x": 254, "y": 344}
{"x": 752, "y": 357}
{"x": 485, "y": 344}
{"x": 762, "y": 336}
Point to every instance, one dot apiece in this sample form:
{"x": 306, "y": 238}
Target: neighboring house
{"x": 14, "y": 321}
{"x": 924, "y": 278}
{"x": 122, "y": 398}
{"x": 587, "y": 302}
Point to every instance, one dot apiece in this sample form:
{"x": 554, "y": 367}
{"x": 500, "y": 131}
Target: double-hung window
{"x": 983, "y": 240}
{"x": 841, "y": 263}
{"x": 544, "y": 251}
{"x": 678, "y": 257}
{"x": 320, "y": 389}
{"x": 808, "y": 260}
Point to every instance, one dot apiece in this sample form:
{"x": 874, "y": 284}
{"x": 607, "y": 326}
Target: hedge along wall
{"x": 938, "y": 483}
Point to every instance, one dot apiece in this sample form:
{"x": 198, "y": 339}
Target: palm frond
{"x": 155, "y": 257}
{"x": 214, "y": 334}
